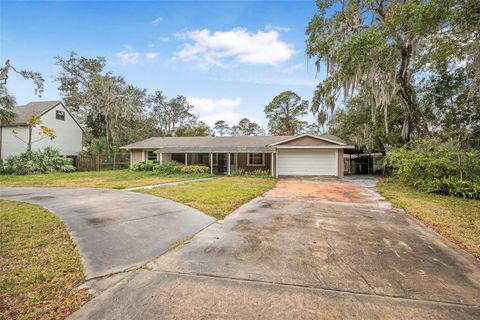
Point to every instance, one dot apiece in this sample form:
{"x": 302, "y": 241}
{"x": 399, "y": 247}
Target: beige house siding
{"x": 307, "y": 141}
{"x": 136, "y": 156}
{"x": 340, "y": 163}
{"x": 242, "y": 162}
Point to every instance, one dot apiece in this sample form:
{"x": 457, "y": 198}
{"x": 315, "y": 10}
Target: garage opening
{"x": 316, "y": 162}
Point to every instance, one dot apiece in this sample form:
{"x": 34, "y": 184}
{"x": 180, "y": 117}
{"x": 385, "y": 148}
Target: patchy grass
{"x": 40, "y": 266}
{"x": 455, "y": 218}
{"x": 116, "y": 179}
{"x": 217, "y": 197}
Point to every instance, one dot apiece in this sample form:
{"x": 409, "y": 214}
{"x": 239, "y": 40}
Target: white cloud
{"x": 212, "y": 48}
{"x": 157, "y": 20}
{"x": 164, "y": 39}
{"x": 277, "y": 28}
{"x": 212, "y": 110}
{"x": 209, "y": 105}
{"x": 293, "y": 68}
{"x": 151, "y": 55}
{"x": 151, "y": 45}
{"x": 128, "y": 56}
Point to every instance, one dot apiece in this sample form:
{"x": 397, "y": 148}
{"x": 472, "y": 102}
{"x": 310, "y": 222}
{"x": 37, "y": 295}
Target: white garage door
{"x": 307, "y": 162}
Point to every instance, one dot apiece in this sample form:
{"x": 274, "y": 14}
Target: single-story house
{"x": 14, "y": 135}
{"x": 303, "y": 155}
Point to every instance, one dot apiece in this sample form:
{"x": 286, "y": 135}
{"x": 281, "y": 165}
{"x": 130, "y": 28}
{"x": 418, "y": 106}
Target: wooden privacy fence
{"x": 101, "y": 162}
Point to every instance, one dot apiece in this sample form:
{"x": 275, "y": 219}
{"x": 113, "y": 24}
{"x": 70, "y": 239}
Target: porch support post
{"x": 186, "y": 159}
{"x": 211, "y": 163}
{"x": 276, "y": 164}
{"x": 161, "y": 158}
{"x": 228, "y": 163}
{"x": 271, "y": 165}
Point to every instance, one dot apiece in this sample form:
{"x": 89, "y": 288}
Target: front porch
{"x": 220, "y": 163}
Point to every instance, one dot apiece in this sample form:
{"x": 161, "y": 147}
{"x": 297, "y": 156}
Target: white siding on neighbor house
{"x": 11, "y": 145}
{"x": 307, "y": 162}
{"x": 68, "y": 134}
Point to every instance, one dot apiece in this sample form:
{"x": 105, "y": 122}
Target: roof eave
{"x": 307, "y": 135}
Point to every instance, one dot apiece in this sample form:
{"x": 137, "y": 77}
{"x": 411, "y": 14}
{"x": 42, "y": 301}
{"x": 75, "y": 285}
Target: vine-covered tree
{"x": 385, "y": 46}
{"x": 284, "y": 114}
{"x": 171, "y": 115}
{"x": 104, "y": 102}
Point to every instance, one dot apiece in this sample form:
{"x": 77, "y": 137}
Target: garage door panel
{"x": 307, "y": 162}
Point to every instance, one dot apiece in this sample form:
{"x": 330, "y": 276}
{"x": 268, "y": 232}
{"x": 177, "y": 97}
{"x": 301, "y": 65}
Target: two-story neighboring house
{"x": 53, "y": 115}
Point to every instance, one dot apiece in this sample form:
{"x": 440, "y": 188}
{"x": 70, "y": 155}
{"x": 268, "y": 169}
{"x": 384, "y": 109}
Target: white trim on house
{"x": 255, "y": 165}
{"x": 307, "y": 135}
{"x": 315, "y": 147}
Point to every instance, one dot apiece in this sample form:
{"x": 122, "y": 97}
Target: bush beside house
{"x": 41, "y": 161}
{"x": 438, "y": 168}
{"x": 172, "y": 167}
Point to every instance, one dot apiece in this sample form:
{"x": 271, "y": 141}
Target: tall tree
{"x": 221, "y": 127}
{"x": 452, "y": 107}
{"x": 193, "y": 128}
{"x": 104, "y": 102}
{"x": 7, "y": 101}
{"x": 246, "y": 127}
{"x": 170, "y": 115}
{"x": 284, "y": 114}
{"x": 383, "y": 47}
{"x": 116, "y": 103}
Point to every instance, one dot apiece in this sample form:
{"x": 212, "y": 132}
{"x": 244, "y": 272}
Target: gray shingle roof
{"x": 215, "y": 143}
{"x": 33, "y": 108}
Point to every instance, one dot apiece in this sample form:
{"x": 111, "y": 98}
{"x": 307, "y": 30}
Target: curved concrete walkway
{"x": 115, "y": 230}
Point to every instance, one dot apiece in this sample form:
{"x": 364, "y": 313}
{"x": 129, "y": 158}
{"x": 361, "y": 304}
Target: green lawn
{"x": 117, "y": 179}
{"x": 455, "y": 218}
{"x": 40, "y": 266}
{"x": 217, "y": 197}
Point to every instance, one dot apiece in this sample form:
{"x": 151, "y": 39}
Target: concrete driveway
{"x": 115, "y": 230}
{"x": 339, "y": 252}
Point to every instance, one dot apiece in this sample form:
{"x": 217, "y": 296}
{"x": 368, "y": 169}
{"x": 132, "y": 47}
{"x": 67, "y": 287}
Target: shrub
{"x": 437, "y": 168}
{"x": 255, "y": 173}
{"x": 194, "y": 169}
{"x": 171, "y": 167}
{"x": 144, "y": 166}
{"x": 30, "y": 162}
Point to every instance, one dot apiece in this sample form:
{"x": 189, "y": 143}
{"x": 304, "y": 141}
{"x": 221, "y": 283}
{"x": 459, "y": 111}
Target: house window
{"x": 215, "y": 159}
{"x": 151, "y": 156}
{"x": 256, "y": 159}
{"x": 60, "y": 115}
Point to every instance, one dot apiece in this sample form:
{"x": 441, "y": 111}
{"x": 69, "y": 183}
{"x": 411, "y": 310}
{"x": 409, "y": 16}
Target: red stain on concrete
{"x": 337, "y": 192}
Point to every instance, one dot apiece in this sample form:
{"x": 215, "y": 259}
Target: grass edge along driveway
{"x": 40, "y": 266}
{"x": 455, "y": 218}
{"x": 115, "y": 179}
{"x": 217, "y": 197}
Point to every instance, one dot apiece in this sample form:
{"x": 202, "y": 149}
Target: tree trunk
{"x": 406, "y": 93}
{"x": 29, "y": 146}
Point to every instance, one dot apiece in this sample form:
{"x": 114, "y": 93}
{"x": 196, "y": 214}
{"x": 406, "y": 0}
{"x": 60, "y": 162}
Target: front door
{"x": 222, "y": 163}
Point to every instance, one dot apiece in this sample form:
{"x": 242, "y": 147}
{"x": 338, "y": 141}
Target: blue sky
{"x": 229, "y": 58}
